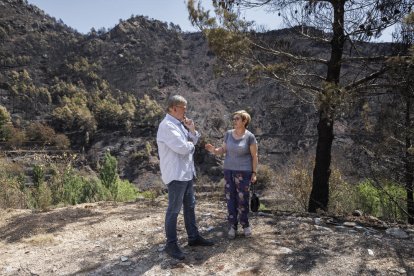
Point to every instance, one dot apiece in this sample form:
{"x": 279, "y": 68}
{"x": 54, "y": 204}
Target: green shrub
{"x": 72, "y": 188}
{"x": 93, "y": 191}
{"x": 384, "y": 200}
{"x": 38, "y": 175}
{"x": 126, "y": 191}
{"x": 109, "y": 174}
{"x": 149, "y": 195}
{"x": 43, "y": 196}
{"x": 4, "y": 116}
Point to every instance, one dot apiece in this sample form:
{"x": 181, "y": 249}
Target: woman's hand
{"x": 254, "y": 178}
{"x": 209, "y": 147}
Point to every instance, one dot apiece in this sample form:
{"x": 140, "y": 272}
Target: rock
{"x": 321, "y": 228}
{"x": 399, "y": 270}
{"x": 210, "y": 228}
{"x": 357, "y": 213}
{"x": 397, "y": 232}
{"x": 349, "y": 224}
{"x": 318, "y": 221}
{"x": 370, "y": 252}
{"x": 283, "y": 250}
{"x": 124, "y": 259}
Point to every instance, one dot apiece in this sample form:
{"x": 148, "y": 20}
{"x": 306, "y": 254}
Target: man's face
{"x": 179, "y": 111}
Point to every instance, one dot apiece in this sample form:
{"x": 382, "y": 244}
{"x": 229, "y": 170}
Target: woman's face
{"x": 237, "y": 121}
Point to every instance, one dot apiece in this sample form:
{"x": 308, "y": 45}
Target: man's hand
{"x": 189, "y": 124}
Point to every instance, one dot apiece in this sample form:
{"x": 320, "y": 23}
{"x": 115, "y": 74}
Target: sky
{"x": 82, "y": 15}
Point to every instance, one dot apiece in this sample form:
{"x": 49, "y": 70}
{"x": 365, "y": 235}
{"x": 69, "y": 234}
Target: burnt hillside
{"x": 106, "y": 90}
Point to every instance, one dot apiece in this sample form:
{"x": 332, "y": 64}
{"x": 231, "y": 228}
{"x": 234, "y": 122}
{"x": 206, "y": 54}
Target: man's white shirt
{"x": 175, "y": 149}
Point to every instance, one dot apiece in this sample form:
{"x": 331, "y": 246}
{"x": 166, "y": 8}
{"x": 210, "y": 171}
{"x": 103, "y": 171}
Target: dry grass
{"x": 42, "y": 239}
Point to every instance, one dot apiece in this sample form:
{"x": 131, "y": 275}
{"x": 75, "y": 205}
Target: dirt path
{"x": 127, "y": 239}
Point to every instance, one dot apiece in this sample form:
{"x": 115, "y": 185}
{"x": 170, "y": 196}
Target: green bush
{"x": 4, "y": 116}
{"x": 65, "y": 186}
{"x": 38, "y": 175}
{"x": 109, "y": 174}
{"x": 43, "y": 196}
{"x": 384, "y": 200}
{"x": 93, "y": 191}
{"x": 126, "y": 191}
{"x": 72, "y": 188}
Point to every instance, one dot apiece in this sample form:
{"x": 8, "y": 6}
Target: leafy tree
{"x": 338, "y": 26}
{"x": 4, "y": 116}
{"x": 149, "y": 112}
{"x": 74, "y": 115}
{"x": 109, "y": 113}
{"x": 40, "y": 133}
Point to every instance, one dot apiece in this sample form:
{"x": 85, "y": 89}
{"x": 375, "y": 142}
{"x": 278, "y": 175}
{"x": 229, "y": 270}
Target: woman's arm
{"x": 255, "y": 161}
{"x": 216, "y": 151}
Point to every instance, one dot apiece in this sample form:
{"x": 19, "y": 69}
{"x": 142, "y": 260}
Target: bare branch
{"x": 289, "y": 55}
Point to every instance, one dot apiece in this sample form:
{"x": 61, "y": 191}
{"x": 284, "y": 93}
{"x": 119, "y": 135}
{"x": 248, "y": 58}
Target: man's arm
{"x": 172, "y": 137}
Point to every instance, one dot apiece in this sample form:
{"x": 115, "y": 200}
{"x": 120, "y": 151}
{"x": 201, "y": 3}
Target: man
{"x": 176, "y": 138}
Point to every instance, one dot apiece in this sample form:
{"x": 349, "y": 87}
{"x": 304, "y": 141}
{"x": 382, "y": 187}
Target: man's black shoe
{"x": 174, "y": 251}
{"x": 200, "y": 241}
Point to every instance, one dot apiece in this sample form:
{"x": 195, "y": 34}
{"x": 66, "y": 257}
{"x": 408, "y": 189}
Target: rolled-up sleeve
{"x": 194, "y": 137}
{"x": 171, "y": 137}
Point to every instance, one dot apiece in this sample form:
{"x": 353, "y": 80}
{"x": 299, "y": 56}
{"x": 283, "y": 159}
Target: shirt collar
{"x": 173, "y": 119}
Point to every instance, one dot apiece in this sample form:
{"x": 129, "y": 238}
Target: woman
{"x": 240, "y": 167}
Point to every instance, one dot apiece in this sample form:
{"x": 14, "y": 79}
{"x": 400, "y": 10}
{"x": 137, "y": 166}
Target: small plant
{"x": 342, "y": 195}
{"x": 148, "y": 148}
{"x": 265, "y": 176}
{"x": 149, "y": 195}
{"x": 38, "y": 175}
{"x": 383, "y": 200}
{"x": 263, "y": 208}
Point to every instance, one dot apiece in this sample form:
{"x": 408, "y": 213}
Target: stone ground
{"x": 127, "y": 239}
